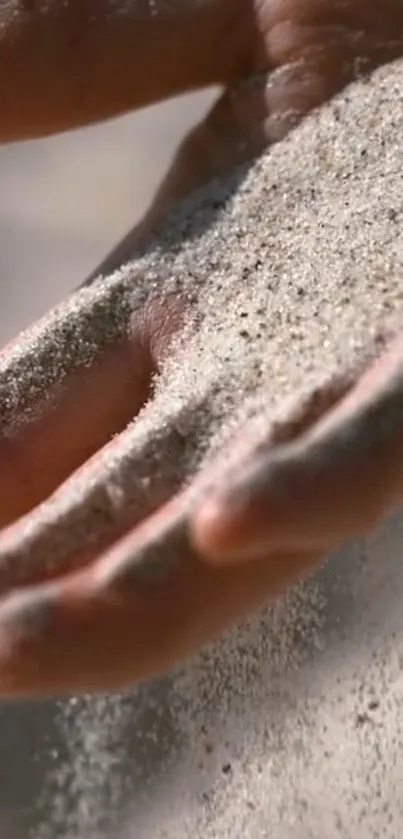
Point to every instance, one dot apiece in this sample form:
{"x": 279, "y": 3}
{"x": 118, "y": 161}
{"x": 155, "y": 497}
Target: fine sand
{"x": 291, "y": 273}
{"x": 288, "y": 727}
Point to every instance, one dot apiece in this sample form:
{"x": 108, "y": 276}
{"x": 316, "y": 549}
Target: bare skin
{"x": 92, "y": 628}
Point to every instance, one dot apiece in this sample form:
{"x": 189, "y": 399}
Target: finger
{"x": 318, "y": 48}
{"x": 146, "y": 604}
{"x": 67, "y": 386}
{"x": 137, "y": 471}
{"x": 64, "y": 65}
{"x": 332, "y": 483}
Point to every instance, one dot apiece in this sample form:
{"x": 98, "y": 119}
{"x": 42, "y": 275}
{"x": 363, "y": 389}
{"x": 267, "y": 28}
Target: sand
{"x": 289, "y": 726}
{"x": 290, "y": 271}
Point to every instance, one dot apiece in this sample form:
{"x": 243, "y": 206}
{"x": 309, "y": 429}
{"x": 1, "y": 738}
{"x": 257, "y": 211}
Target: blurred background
{"x": 66, "y": 201}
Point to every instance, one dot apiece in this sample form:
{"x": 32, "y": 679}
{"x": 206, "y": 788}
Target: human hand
{"x": 90, "y": 601}
{"x": 120, "y": 572}
{"x": 117, "y": 573}
{"x": 80, "y": 615}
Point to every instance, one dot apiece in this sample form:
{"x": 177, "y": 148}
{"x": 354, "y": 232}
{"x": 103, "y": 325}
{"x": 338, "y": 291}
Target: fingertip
{"x": 69, "y": 637}
{"x": 262, "y": 513}
{"x": 39, "y": 641}
{"x": 215, "y": 534}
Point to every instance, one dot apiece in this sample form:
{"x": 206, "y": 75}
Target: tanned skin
{"x": 76, "y": 62}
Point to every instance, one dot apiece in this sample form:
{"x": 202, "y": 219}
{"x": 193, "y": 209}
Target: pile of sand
{"x": 291, "y": 269}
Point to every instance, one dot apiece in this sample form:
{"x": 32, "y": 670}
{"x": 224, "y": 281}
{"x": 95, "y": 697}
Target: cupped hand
{"x": 113, "y": 565}
{"x": 109, "y": 569}
{"x": 101, "y": 581}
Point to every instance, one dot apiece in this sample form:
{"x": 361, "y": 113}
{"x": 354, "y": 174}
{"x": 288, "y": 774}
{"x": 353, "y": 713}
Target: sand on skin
{"x": 290, "y": 725}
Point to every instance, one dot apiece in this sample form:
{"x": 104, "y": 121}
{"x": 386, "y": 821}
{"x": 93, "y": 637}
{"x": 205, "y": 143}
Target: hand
{"x": 90, "y": 601}
{"x": 82, "y": 613}
{"x": 118, "y": 574}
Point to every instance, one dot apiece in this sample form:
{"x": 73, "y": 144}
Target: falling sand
{"x": 291, "y": 725}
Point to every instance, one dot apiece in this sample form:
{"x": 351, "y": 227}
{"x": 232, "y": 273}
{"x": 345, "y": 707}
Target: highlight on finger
{"x": 332, "y": 483}
{"x": 117, "y": 621}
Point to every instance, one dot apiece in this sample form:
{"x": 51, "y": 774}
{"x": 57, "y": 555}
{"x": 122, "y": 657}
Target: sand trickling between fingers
{"x": 291, "y": 725}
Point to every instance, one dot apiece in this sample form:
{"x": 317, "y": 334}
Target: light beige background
{"x": 64, "y": 202}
